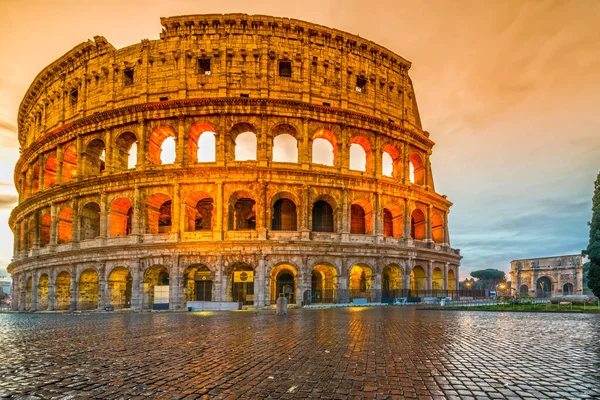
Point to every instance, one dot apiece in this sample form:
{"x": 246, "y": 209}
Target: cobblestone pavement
{"x": 378, "y": 353}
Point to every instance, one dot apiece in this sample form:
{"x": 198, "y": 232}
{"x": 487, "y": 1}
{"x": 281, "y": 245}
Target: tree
{"x": 489, "y": 278}
{"x": 593, "y": 248}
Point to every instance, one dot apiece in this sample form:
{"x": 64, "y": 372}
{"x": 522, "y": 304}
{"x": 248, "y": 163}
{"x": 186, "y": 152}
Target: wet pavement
{"x": 383, "y": 353}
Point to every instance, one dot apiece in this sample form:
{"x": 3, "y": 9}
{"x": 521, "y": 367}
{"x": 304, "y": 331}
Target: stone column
{"x": 406, "y": 276}
{"x": 176, "y": 212}
{"x": 53, "y": 226}
{"x": 34, "y": 293}
{"x": 141, "y": 157}
{"x": 80, "y": 157}
{"x": 428, "y": 238}
{"x": 103, "y": 215}
{"x": 136, "y": 285}
{"x": 103, "y": 297}
{"x": 218, "y": 232}
{"x": 446, "y": 269}
{"x": 180, "y": 156}
{"x": 305, "y": 222}
{"x": 303, "y": 283}
{"x": 344, "y": 294}
{"x": 260, "y": 284}
{"x": 429, "y": 273}
{"x": 344, "y": 215}
{"x": 23, "y": 294}
{"x": 42, "y": 174}
{"x": 376, "y": 286}
{"x": 405, "y": 176}
{"x": 378, "y": 230}
{"x": 174, "y": 283}
{"x": 17, "y": 242}
{"x": 218, "y": 276}
{"x": 304, "y": 152}
{"x": 263, "y": 227}
{"x": 406, "y": 234}
{"x": 108, "y": 152}
{"x": 51, "y": 292}
{"x": 137, "y": 215}
{"x": 14, "y": 305}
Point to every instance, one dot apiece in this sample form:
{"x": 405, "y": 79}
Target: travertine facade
{"x": 548, "y": 276}
{"x": 104, "y": 218}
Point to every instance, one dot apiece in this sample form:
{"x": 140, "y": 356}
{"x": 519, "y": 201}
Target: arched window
{"x": 361, "y": 154}
{"x": 93, "y": 158}
{"x": 387, "y": 165}
{"x": 357, "y": 220}
{"x": 324, "y": 148}
{"x": 322, "y": 217}
{"x": 90, "y": 221}
{"x": 125, "y": 152}
{"x": 65, "y": 225}
{"x": 437, "y": 228}
{"x": 121, "y": 216}
{"x": 244, "y": 214}
{"x": 418, "y": 226}
{"x": 50, "y": 171}
{"x": 392, "y": 220}
{"x": 161, "y": 146}
{"x": 417, "y": 169}
{"x": 69, "y": 165}
{"x": 388, "y": 223}
{"x": 198, "y": 212}
{"x": 158, "y": 212}
{"x": 36, "y": 179}
{"x": 391, "y": 161}
{"x": 284, "y": 216}
{"x": 245, "y": 146}
{"x": 285, "y": 148}
{"x": 45, "y": 230}
{"x": 202, "y": 143}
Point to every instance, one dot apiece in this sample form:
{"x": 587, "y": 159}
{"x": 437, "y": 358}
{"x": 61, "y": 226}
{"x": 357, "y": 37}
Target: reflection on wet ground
{"x": 391, "y": 352}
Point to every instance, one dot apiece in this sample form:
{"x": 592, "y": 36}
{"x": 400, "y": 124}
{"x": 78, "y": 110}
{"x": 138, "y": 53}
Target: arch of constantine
{"x": 237, "y": 158}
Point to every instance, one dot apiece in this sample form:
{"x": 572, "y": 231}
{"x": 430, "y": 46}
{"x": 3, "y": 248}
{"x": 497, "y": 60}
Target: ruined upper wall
{"x": 245, "y": 53}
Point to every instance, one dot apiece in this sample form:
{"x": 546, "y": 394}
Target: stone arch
{"x": 63, "y": 290}
{"x": 89, "y": 221}
{"x": 125, "y": 151}
{"x": 120, "y": 288}
{"x": 199, "y": 211}
{"x": 36, "y": 179}
{"x": 418, "y": 225}
{"x": 158, "y": 153}
{"x": 88, "y": 290}
{"x": 361, "y": 217}
{"x": 94, "y": 157}
{"x": 244, "y": 142}
{"x": 437, "y": 228}
{"x": 284, "y": 282}
{"x": 284, "y": 213}
{"x": 69, "y": 164}
{"x": 416, "y": 169}
{"x": 393, "y": 220}
{"x": 242, "y": 211}
{"x": 242, "y": 283}
{"x": 451, "y": 280}
{"x": 391, "y": 283}
{"x": 121, "y": 217}
{"x": 437, "y": 281}
{"x": 156, "y": 287}
{"x": 392, "y": 164}
{"x": 45, "y": 222}
{"x": 50, "y": 168}
{"x": 285, "y": 143}
{"x": 523, "y": 289}
{"x": 42, "y": 292}
{"x": 360, "y": 281}
{"x": 361, "y": 149}
{"x": 544, "y": 286}
{"x": 324, "y": 148}
{"x": 324, "y": 283}
{"x": 418, "y": 280}
{"x": 158, "y": 213}
{"x": 201, "y": 144}
{"x": 65, "y": 225}
{"x": 568, "y": 289}
{"x": 323, "y": 215}
{"x": 198, "y": 282}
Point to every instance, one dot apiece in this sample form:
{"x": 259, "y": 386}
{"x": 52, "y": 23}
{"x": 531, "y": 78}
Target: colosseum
{"x": 234, "y": 160}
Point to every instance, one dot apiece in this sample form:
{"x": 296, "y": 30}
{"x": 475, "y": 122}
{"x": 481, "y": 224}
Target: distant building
{"x": 5, "y": 284}
{"x": 547, "y": 276}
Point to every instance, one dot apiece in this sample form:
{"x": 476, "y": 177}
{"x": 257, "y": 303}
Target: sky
{"x": 509, "y": 90}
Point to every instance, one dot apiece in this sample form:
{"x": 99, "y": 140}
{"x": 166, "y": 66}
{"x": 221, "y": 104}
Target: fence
{"x": 389, "y": 296}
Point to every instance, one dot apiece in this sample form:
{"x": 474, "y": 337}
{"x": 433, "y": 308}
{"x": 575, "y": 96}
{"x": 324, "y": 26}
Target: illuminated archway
{"x": 88, "y": 290}
{"x": 284, "y": 283}
{"x": 323, "y": 283}
{"x": 120, "y": 288}
{"x": 418, "y": 280}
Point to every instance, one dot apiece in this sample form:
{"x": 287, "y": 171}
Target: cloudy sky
{"x": 510, "y": 91}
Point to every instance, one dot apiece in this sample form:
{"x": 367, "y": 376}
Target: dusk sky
{"x": 509, "y": 90}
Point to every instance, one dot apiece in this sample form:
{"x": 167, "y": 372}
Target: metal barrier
{"x": 387, "y": 296}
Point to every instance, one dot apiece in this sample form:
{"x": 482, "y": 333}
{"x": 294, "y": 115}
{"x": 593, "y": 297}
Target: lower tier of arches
{"x": 168, "y": 278}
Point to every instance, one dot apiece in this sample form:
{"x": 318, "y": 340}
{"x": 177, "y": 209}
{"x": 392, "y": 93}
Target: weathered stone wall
{"x": 565, "y": 274}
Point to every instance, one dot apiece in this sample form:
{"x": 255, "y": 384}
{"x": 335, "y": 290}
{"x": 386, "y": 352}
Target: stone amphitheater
{"x": 238, "y": 158}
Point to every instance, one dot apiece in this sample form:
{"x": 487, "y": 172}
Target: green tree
{"x": 489, "y": 278}
{"x": 593, "y": 248}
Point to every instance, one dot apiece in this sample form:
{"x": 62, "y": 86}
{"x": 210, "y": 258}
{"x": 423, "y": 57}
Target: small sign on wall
{"x": 243, "y": 276}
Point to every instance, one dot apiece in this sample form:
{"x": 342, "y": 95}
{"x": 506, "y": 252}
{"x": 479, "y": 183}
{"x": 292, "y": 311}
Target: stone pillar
{"x": 406, "y": 276}
{"x": 429, "y": 273}
{"x": 376, "y": 286}
{"x": 51, "y": 292}
{"x": 344, "y": 215}
{"x": 406, "y": 234}
{"x": 344, "y": 292}
{"x": 42, "y": 176}
{"x": 53, "y": 226}
{"x": 260, "y": 284}
{"x": 262, "y": 144}
{"x": 405, "y": 164}
{"x": 342, "y": 150}
{"x": 445, "y": 275}
{"x": 103, "y": 215}
{"x": 218, "y": 289}
{"x": 174, "y": 283}
{"x": 263, "y": 227}
{"x": 378, "y": 220}
{"x": 141, "y": 157}
{"x": 137, "y": 215}
{"x": 180, "y": 155}
{"x": 303, "y": 281}
{"x": 176, "y": 212}
{"x": 17, "y": 242}
{"x": 136, "y": 285}
{"x": 304, "y": 152}
{"x": 60, "y": 155}
{"x": 103, "y": 297}
{"x": 34, "y": 293}
{"x": 23, "y": 294}
{"x": 74, "y": 291}
{"x": 14, "y": 305}
{"x": 80, "y": 157}
{"x": 305, "y": 221}
{"x": 108, "y": 152}
{"x": 428, "y": 236}
{"x": 218, "y": 232}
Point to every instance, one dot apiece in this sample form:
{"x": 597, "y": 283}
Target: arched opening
{"x": 361, "y": 217}
{"x": 524, "y": 289}
{"x": 65, "y": 225}
{"x": 285, "y": 148}
{"x": 161, "y": 146}
{"x": 90, "y": 221}
{"x": 416, "y": 169}
{"x": 93, "y": 158}
{"x": 392, "y": 220}
{"x": 28, "y": 294}
{"x": 242, "y": 284}
{"x": 198, "y": 283}
{"x": 36, "y": 179}
{"x": 324, "y": 148}
{"x": 437, "y": 228}
{"x": 323, "y": 284}
{"x": 45, "y": 222}
{"x": 322, "y": 217}
{"x": 242, "y": 212}
{"x": 202, "y": 143}
{"x": 88, "y": 290}
{"x": 391, "y": 161}
{"x": 69, "y": 164}
{"x": 42, "y": 293}
{"x": 156, "y": 288}
{"x": 63, "y": 291}
{"x": 121, "y": 217}
{"x": 198, "y": 212}
{"x": 245, "y": 146}
{"x": 125, "y": 152}
{"x": 568, "y": 289}
{"x": 120, "y": 288}
{"x": 284, "y": 283}
{"x": 158, "y": 212}
{"x": 451, "y": 280}
{"x": 437, "y": 282}
{"x": 360, "y": 282}
{"x": 50, "y": 168}
{"x": 361, "y": 155}
{"x": 418, "y": 281}
{"x": 418, "y": 226}
{"x": 284, "y": 216}
{"x": 391, "y": 284}
{"x": 544, "y": 287}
